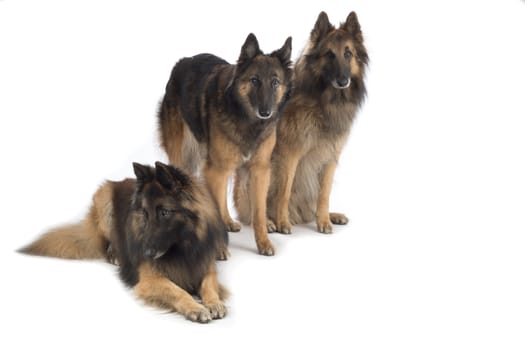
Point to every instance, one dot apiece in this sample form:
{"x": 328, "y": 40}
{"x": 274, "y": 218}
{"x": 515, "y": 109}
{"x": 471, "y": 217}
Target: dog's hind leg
{"x": 217, "y": 178}
{"x": 241, "y": 197}
{"x": 171, "y": 129}
{"x": 222, "y": 160}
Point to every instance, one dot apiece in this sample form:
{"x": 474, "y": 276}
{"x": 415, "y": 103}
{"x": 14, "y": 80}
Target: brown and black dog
{"x": 217, "y": 118}
{"x": 163, "y": 229}
{"x": 328, "y": 90}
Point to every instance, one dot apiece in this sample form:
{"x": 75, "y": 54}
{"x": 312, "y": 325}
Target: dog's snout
{"x": 265, "y": 112}
{"x": 342, "y": 81}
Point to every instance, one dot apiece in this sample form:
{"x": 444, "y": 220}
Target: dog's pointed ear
{"x": 352, "y": 26}
{"x": 142, "y": 172}
{"x": 249, "y": 49}
{"x": 321, "y": 28}
{"x": 284, "y": 53}
{"x": 164, "y": 176}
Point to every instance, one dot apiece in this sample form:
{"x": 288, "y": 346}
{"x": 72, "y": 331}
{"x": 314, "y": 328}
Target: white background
{"x": 433, "y": 177}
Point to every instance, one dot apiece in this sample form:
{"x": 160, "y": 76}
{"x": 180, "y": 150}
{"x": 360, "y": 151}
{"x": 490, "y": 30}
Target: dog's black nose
{"x": 342, "y": 82}
{"x": 265, "y": 113}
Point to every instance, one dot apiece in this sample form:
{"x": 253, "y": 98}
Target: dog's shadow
{"x": 244, "y": 240}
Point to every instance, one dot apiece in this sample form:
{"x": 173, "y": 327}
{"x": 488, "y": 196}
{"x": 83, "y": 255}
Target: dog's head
{"x": 262, "y": 82}
{"x": 164, "y": 210}
{"x": 336, "y": 55}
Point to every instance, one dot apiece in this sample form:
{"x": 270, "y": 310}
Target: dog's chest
{"x": 246, "y": 157}
{"x": 187, "y": 275}
{"x": 336, "y": 119}
{"x": 249, "y": 139}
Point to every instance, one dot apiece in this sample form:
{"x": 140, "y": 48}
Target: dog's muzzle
{"x": 341, "y": 83}
{"x": 264, "y": 114}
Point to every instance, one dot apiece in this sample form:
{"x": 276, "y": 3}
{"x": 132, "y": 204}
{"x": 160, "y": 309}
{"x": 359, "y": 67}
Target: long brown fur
{"x": 163, "y": 229}
{"x": 87, "y": 239}
{"x": 313, "y": 128}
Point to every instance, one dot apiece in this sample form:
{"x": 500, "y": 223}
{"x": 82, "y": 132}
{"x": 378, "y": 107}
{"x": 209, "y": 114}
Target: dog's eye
{"x": 330, "y": 54}
{"x": 275, "y": 83}
{"x": 348, "y": 55}
{"x": 255, "y": 81}
{"x": 164, "y": 213}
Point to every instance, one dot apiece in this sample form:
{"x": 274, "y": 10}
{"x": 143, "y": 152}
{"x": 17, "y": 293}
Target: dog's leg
{"x": 157, "y": 290}
{"x": 210, "y": 294}
{"x": 283, "y": 176}
{"x": 217, "y": 179}
{"x": 172, "y": 135}
{"x": 324, "y": 218}
{"x": 223, "y": 253}
{"x": 260, "y": 172}
{"x": 241, "y": 195}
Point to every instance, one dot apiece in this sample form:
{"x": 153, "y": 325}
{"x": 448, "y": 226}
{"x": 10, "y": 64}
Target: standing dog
{"x": 222, "y": 117}
{"x": 164, "y": 231}
{"x": 328, "y": 91}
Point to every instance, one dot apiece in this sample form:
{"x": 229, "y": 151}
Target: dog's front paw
{"x": 338, "y": 219}
{"x": 265, "y": 248}
{"x": 284, "y": 227}
{"x": 111, "y": 256}
{"x": 233, "y": 226}
{"x": 217, "y": 310}
{"x": 324, "y": 225}
{"x": 270, "y": 226}
{"x": 198, "y": 313}
{"x": 223, "y": 253}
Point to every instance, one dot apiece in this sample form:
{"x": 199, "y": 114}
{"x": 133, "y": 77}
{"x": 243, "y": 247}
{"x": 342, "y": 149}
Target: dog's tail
{"x": 87, "y": 239}
{"x": 74, "y": 241}
{"x": 241, "y": 196}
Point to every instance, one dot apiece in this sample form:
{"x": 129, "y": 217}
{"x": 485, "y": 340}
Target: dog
{"x": 328, "y": 91}
{"x": 217, "y": 118}
{"x": 163, "y": 229}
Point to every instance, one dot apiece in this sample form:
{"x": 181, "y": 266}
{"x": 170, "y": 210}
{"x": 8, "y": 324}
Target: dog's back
{"x": 182, "y": 117}
{"x": 189, "y": 78}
